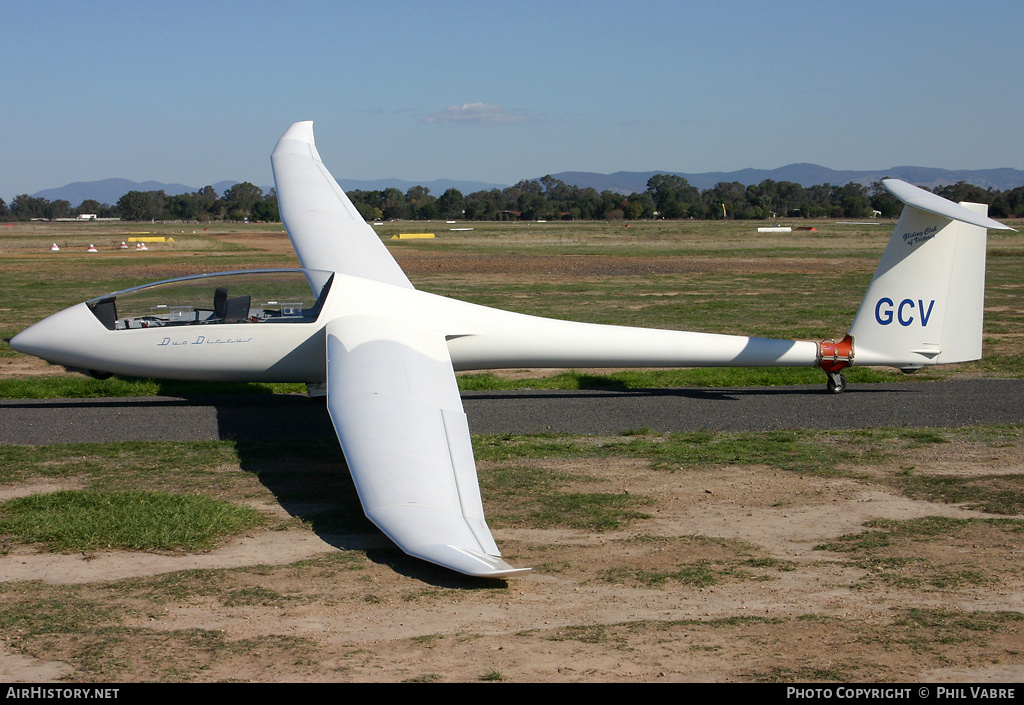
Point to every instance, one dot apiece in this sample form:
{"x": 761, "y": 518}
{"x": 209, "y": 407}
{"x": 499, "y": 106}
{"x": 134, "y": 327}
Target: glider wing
{"x": 395, "y": 406}
{"x": 325, "y": 228}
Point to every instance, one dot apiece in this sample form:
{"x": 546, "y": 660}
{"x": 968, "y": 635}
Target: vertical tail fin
{"x": 925, "y": 304}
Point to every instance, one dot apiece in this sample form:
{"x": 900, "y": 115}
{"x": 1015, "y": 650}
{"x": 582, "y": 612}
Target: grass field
{"x": 789, "y": 556}
{"x": 721, "y": 277}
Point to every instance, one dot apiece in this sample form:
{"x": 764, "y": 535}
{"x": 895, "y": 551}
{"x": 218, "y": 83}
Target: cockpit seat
{"x": 236, "y": 310}
{"x": 220, "y": 302}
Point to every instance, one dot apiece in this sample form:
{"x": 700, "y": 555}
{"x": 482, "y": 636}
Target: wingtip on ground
{"x": 468, "y": 562}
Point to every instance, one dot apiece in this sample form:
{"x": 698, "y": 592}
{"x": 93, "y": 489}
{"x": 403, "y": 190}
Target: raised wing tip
{"x": 297, "y": 140}
{"x": 933, "y": 203}
{"x": 300, "y": 131}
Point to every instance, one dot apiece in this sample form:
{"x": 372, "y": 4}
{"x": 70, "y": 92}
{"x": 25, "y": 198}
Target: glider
{"x": 351, "y": 324}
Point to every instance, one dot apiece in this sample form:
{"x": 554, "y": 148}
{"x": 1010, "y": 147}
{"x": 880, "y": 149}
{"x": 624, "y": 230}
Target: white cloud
{"x": 478, "y": 114}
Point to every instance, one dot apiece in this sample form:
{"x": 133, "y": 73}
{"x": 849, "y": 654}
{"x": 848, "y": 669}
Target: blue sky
{"x": 198, "y": 92}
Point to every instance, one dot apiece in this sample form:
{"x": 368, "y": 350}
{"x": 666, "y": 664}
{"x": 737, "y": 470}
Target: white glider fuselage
{"x": 481, "y": 337}
{"x": 478, "y": 337}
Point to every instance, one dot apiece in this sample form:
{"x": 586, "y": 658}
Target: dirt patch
{"x": 723, "y": 579}
{"x": 26, "y": 366}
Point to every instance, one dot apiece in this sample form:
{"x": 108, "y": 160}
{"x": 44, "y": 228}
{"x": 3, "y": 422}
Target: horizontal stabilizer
{"x": 932, "y": 203}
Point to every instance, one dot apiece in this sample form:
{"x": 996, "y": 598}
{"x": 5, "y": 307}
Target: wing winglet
{"x": 301, "y": 133}
{"x": 412, "y": 528}
{"x": 468, "y": 562}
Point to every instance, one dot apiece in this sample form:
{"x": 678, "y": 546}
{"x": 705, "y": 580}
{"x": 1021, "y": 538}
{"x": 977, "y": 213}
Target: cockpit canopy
{"x": 254, "y": 296}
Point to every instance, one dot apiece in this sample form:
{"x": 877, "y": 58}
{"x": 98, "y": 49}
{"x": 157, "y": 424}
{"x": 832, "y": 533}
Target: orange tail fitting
{"x": 833, "y": 356}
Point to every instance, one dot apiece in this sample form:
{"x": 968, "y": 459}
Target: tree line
{"x": 667, "y": 196}
{"x": 240, "y": 202}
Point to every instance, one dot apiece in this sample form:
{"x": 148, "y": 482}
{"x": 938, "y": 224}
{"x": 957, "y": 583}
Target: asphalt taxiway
{"x": 944, "y": 404}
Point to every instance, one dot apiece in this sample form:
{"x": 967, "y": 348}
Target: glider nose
{"x": 57, "y": 338}
{"x": 38, "y": 339}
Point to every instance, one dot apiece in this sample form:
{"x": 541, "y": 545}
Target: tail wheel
{"x": 836, "y": 383}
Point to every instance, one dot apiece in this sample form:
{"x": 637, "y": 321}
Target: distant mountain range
{"x": 437, "y": 186}
{"x": 626, "y": 182}
{"x": 109, "y": 191}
